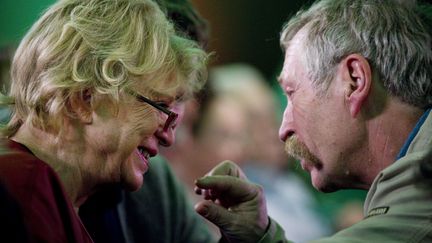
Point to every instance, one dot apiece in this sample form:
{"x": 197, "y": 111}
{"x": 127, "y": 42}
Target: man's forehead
{"x": 293, "y": 59}
{"x": 293, "y": 46}
{"x": 287, "y": 69}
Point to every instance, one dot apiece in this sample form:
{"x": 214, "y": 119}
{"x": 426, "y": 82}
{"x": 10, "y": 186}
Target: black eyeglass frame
{"x": 172, "y": 116}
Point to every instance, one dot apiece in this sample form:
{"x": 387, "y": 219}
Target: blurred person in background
{"x": 289, "y": 201}
{"x": 358, "y": 80}
{"x": 237, "y": 120}
{"x": 212, "y": 130}
{"x": 92, "y": 99}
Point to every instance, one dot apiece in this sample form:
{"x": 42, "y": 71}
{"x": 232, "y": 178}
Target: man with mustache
{"x": 357, "y": 75}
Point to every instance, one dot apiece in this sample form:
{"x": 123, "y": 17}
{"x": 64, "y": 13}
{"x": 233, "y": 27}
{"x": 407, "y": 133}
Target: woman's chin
{"x": 133, "y": 184}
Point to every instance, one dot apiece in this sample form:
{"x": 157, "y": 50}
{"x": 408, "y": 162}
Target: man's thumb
{"x": 215, "y": 213}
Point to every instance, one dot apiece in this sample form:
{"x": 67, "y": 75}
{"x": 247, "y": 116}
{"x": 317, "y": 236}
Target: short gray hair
{"x": 394, "y": 36}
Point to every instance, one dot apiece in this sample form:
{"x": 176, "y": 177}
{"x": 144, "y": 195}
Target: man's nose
{"x": 285, "y": 129}
{"x": 282, "y": 131}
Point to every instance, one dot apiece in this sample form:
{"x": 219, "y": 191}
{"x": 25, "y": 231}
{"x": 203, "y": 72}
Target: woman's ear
{"x": 359, "y": 82}
{"x": 81, "y": 105}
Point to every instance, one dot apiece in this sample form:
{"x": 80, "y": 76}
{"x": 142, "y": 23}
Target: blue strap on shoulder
{"x": 413, "y": 133}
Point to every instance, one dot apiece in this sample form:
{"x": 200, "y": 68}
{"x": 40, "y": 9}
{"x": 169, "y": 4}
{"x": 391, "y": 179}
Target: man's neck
{"x": 388, "y": 133}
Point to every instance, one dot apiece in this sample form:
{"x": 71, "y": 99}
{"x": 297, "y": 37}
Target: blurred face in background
{"x": 265, "y": 146}
{"x": 234, "y": 131}
{"x": 224, "y": 134}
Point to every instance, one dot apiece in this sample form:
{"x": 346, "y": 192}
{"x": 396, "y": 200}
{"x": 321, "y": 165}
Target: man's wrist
{"x": 274, "y": 233}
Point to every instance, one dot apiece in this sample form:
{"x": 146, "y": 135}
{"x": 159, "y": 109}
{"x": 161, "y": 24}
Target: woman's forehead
{"x": 162, "y": 87}
{"x": 162, "y": 92}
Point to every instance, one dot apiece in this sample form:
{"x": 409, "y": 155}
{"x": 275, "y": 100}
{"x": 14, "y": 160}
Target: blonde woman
{"x": 94, "y": 93}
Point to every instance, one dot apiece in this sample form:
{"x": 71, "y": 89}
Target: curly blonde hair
{"x": 102, "y": 46}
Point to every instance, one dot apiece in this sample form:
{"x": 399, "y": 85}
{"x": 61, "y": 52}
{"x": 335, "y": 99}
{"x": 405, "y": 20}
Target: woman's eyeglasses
{"x": 172, "y": 116}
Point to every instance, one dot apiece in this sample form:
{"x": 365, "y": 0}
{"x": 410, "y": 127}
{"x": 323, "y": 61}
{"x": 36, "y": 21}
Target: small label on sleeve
{"x": 377, "y": 211}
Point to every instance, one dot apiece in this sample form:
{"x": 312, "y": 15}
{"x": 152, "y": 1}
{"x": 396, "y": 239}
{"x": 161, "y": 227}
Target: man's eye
{"x": 289, "y": 93}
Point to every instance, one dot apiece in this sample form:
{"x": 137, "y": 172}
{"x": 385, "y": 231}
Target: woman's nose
{"x": 166, "y": 137}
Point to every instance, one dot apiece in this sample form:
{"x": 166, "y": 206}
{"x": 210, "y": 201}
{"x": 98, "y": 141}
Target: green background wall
{"x": 16, "y": 17}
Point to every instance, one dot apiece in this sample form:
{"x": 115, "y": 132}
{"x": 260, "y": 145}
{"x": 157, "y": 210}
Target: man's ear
{"x": 81, "y": 105}
{"x": 359, "y": 78}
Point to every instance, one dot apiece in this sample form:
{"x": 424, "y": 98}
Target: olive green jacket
{"x": 398, "y": 206}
